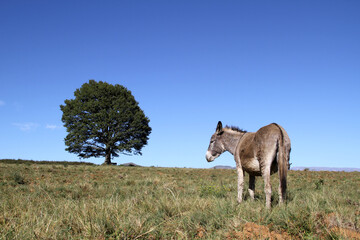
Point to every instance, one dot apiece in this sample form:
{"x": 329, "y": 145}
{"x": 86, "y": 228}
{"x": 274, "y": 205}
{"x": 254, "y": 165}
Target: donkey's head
{"x": 216, "y": 146}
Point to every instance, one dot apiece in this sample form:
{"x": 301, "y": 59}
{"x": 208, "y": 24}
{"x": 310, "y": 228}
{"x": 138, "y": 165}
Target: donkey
{"x": 260, "y": 153}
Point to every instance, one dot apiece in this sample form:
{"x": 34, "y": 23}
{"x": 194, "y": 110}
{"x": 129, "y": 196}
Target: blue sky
{"x": 189, "y": 64}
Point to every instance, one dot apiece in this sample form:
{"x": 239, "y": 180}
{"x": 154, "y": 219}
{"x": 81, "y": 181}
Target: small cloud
{"x": 52, "y": 126}
{"x": 26, "y": 127}
{"x": 2, "y": 103}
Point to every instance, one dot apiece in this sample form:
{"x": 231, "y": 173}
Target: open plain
{"x": 63, "y": 201}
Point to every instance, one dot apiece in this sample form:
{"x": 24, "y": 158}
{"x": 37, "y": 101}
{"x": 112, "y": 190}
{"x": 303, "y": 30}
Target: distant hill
{"x": 330, "y": 169}
{"x": 223, "y": 167}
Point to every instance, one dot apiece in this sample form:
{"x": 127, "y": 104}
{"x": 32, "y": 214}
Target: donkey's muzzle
{"x": 209, "y": 156}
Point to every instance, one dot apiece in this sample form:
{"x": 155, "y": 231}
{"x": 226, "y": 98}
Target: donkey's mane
{"x": 237, "y": 129}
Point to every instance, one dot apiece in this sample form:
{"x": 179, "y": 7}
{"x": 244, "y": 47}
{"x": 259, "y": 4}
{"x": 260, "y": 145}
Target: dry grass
{"x": 110, "y": 202}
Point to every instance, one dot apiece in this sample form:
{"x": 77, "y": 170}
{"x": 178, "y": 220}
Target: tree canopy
{"x": 104, "y": 120}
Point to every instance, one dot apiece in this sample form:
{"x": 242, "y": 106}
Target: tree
{"x": 104, "y": 120}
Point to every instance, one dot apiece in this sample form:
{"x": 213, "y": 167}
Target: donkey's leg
{"x": 266, "y": 157}
{"x": 240, "y": 173}
{"x": 281, "y": 194}
{"x": 282, "y": 190}
{"x": 267, "y": 188}
{"x": 240, "y": 183}
{"x": 252, "y": 186}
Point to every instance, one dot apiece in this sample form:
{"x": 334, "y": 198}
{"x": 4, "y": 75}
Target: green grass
{"x": 110, "y": 202}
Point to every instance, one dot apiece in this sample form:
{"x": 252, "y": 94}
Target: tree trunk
{"x": 108, "y": 157}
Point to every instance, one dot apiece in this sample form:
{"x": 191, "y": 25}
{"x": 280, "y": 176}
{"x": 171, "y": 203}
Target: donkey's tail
{"x": 283, "y": 162}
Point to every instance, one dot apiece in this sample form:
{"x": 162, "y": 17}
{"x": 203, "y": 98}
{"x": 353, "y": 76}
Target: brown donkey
{"x": 260, "y": 153}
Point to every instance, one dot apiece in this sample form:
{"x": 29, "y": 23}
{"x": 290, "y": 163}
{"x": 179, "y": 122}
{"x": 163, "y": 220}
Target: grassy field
{"x": 62, "y": 201}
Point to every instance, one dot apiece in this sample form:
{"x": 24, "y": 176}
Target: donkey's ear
{"x": 219, "y": 127}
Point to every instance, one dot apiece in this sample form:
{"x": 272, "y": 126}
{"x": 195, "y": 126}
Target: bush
{"x": 18, "y": 178}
